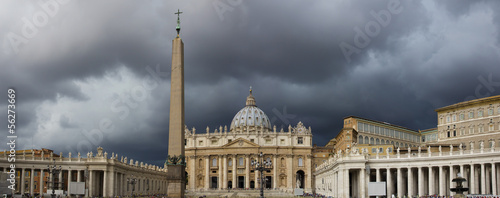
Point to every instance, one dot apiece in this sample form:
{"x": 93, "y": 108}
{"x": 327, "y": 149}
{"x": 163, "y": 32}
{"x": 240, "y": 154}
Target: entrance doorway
{"x": 214, "y": 182}
{"x": 252, "y": 184}
{"x": 230, "y": 184}
{"x": 268, "y": 182}
{"x": 241, "y": 181}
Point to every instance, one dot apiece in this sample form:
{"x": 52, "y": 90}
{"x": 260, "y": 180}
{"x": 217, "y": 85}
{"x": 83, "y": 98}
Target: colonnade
{"x": 419, "y": 176}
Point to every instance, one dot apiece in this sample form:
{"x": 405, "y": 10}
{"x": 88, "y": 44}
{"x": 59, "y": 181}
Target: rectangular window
{"x": 214, "y": 142}
{"x": 251, "y": 140}
{"x": 490, "y": 111}
{"x": 462, "y": 116}
{"x": 282, "y": 141}
{"x": 200, "y": 143}
{"x": 300, "y": 140}
{"x": 268, "y": 141}
{"x": 360, "y": 126}
{"x": 454, "y": 118}
{"x": 471, "y": 114}
{"x": 480, "y": 114}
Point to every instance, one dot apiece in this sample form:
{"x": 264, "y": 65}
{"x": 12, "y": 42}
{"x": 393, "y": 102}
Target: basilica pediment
{"x": 239, "y": 143}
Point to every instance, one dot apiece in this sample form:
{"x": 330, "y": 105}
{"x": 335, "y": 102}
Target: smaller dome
{"x": 250, "y": 116}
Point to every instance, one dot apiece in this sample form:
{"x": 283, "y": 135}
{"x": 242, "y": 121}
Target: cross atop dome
{"x": 250, "y": 99}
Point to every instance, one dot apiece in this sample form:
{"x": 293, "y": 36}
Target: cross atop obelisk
{"x": 178, "y": 28}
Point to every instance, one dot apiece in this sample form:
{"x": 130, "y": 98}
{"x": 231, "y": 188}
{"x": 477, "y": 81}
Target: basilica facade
{"x": 222, "y": 158}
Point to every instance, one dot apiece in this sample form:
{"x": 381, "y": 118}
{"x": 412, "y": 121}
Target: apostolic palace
{"x": 417, "y": 163}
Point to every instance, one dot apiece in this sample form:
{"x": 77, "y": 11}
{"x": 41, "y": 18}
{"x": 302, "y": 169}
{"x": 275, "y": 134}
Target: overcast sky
{"x": 96, "y": 73}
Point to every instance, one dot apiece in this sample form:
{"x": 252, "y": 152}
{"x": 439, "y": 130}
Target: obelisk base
{"x": 176, "y": 179}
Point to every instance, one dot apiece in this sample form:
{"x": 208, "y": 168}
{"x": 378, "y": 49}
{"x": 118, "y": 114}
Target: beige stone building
{"x": 104, "y": 175}
{"x": 221, "y": 158}
{"x": 473, "y": 122}
{"x": 425, "y": 162}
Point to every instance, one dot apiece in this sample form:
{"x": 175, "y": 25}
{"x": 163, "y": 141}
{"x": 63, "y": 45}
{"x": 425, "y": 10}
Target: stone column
{"x": 69, "y": 180}
{"x": 91, "y": 183}
{"x": 346, "y": 183}
{"x": 493, "y": 179}
{"x": 432, "y": 180}
{"x": 400, "y": 182}
{"x": 247, "y": 171}
{"x": 410, "y": 182}
{"x": 224, "y": 181}
{"x": 441, "y": 181}
{"x": 483, "y": 179}
{"x": 256, "y": 178}
{"x": 41, "y": 181}
{"x": 290, "y": 175}
{"x": 389, "y": 185}
{"x": 235, "y": 172}
{"x": 60, "y": 186}
{"x": 362, "y": 183}
{"x": 192, "y": 173}
{"x": 207, "y": 172}
{"x": 221, "y": 169}
{"x": 78, "y": 176}
{"x": 32, "y": 181}
{"x": 275, "y": 171}
{"x": 452, "y": 176}
{"x": 308, "y": 176}
{"x": 472, "y": 180}
{"x": 420, "y": 181}
{"x": 105, "y": 183}
{"x": 340, "y": 181}
{"x": 23, "y": 186}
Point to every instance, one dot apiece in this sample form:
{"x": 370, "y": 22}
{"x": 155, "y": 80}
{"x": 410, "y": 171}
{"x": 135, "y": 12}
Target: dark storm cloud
{"x": 109, "y": 61}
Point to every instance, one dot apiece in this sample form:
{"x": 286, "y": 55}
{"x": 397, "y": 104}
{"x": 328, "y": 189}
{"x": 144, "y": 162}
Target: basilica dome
{"x": 250, "y": 116}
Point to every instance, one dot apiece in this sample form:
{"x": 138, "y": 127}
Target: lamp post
{"x": 132, "y": 181}
{"x": 261, "y": 166}
{"x": 53, "y": 170}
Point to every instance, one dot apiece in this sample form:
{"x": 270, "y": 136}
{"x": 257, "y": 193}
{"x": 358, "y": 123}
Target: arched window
{"x": 360, "y": 139}
{"x": 366, "y": 140}
{"x": 241, "y": 161}
{"x": 378, "y": 141}
{"x": 397, "y": 144}
{"x": 200, "y": 163}
{"x": 372, "y": 141}
{"x": 300, "y": 162}
{"x": 214, "y": 162}
{"x": 230, "y": 162}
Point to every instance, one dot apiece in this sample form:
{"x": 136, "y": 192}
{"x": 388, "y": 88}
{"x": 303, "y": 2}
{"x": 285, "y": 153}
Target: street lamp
{"x": 54, "y": 170}
{"x": 261, "y": 165}
{"x": 132, "y": 181}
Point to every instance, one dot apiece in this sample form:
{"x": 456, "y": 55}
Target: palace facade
{"x": 417, "y": 163}
{"x": 222, "y": 158}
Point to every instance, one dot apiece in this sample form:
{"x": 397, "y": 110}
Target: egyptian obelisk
{"x": 175, "y": 161}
